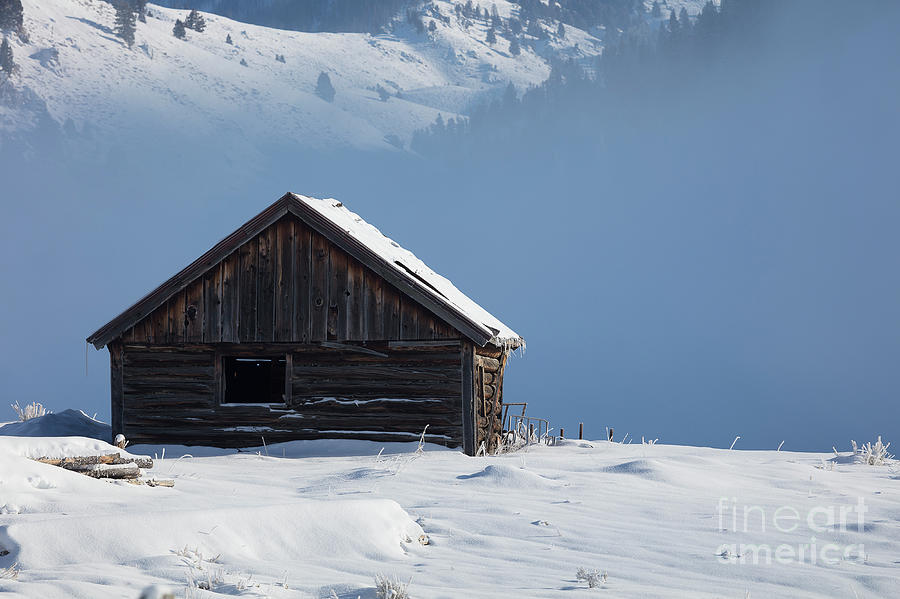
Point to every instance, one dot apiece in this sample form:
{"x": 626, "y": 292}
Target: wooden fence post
{"x": 580, "y": 430}
{"x": 562, "y": 433}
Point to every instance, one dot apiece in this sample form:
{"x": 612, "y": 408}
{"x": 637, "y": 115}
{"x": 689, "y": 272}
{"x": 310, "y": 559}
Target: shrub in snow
{"x": 390, "y": 588}
{"x": 32, "y": 410}
{"x": 593, "y": 578}
{"x": 873, "y": 454}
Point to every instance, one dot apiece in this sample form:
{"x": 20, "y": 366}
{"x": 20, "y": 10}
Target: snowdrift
{"x": 68, "y": 423}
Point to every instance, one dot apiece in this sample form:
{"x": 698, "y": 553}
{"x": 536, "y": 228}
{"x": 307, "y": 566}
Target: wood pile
{"x": 110, "y": 466}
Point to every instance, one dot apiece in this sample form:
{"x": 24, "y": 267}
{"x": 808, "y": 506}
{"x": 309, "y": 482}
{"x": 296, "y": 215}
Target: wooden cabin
{"x": 307, "y": 323}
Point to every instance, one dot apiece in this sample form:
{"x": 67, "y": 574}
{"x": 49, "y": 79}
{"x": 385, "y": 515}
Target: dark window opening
{"x": 254, "y": 380}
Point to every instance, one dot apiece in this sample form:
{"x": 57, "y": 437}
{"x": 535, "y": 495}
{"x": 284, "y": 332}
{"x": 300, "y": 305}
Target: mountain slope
{"x": 97, "y": 88}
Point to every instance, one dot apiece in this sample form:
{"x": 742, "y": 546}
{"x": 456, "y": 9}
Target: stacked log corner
{"x": 489, "y": 365}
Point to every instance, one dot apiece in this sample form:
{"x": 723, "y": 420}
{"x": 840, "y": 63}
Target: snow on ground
{"x": 304, "y": 519}
{"x": 68, "y": 423}
{"x": 164, "y": 88}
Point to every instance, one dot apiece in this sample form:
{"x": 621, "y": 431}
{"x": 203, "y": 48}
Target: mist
{"x": 703, "y": 256}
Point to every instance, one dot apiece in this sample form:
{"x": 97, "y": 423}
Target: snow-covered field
{"x": 322, "y": 519}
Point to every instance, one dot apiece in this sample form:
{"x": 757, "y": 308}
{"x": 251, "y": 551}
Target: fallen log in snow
{"x": 110, "y": 466}
{"x": 117, "y": 471}
{"x": 78, "y": 462}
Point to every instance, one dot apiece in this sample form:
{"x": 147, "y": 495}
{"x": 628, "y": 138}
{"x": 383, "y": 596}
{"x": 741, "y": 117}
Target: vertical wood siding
{"x": 288, "y": 285}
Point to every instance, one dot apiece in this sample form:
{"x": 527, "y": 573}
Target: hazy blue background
{"x": 722, "y": 261}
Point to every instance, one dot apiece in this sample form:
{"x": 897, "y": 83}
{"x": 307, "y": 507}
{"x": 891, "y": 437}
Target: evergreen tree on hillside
{"x": 140, "y": 7}
{"x": 178, "y": 31}
{"x": 535, "y": 30}
{"x": 514, "y": 48}
{"x": 324, "y": 89}
{"x": 11, "y": 13}
{"x": 561, "y": 31}
{"x": 7, "y": 64}
{"x": 673, "y": 22}
{"x": 491, "y": 37}
{"x": 125, "y": 22}
{"x": 195, "y": 21}
{"x": 228, "y": 40}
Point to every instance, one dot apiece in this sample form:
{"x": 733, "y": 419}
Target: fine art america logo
{"x": 787, "y": 520}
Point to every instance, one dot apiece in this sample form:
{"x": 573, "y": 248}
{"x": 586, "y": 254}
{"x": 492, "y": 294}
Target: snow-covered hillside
{"x": 96, "y": 87}
{"x": 321, "y": 519}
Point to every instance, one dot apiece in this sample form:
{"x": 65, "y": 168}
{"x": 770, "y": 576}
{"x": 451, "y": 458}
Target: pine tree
{"x": 7, "y": 64}
{"x": 11, "y": 15}
{"x": 673, "y": 22}
{"x": 514, "y": 48}
{"x": 324, "y": 89}
{"x": 561, "y": 31}
{"x": 125, "y": 22}
{"x": 535, "y": 29}
{"x": 656, "y": 11}
{"x": 491, "y": 36}
{"x": 178, "y": 31}
{"x": 510, "y": 96}
{"x": 199, "y": 23}
{"x": 228, "y": 40}
{"x": 140, "y": 7}
{"x": 195, "y": 21}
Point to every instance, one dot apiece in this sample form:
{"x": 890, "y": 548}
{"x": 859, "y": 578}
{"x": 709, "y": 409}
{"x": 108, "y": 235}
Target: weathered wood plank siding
{"x": 170, "y": 395}
{"x": 284, "y": 292}
{"x": 288, "y": 285}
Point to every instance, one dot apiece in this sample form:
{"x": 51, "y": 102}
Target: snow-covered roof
{"x": 350, "y": 232}
{"x": 406, "y": 264}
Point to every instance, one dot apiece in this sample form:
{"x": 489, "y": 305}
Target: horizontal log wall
{"x": 381, "y": 392}
{"x": 288, "y": 285}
